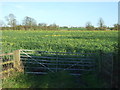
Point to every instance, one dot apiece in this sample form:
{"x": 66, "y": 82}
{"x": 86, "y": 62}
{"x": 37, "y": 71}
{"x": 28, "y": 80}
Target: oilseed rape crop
{"x": 59, "y": 41}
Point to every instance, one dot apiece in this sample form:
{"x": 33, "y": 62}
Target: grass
{"x": 52, "y": 80}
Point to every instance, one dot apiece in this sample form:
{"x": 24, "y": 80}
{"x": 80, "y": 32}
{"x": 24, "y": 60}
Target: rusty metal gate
{"x": 42, "y": 62}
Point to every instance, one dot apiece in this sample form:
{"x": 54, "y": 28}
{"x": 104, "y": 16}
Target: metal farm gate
{"x": 42, "y": 62}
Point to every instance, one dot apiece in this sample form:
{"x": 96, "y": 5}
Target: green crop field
{"x": 62, "y": 41}
{"x": 57, "y": 41}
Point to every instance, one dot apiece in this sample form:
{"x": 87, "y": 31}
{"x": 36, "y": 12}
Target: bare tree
{"x": 2, "y": 24}
{"x": 42, "y": 24}
{"x": 11, "y": 19}
{"x": 28, "y": 21}
{"x": 101, "y": 24}
{"x": 89, "y": 26}
{"x": 53, "y": 26}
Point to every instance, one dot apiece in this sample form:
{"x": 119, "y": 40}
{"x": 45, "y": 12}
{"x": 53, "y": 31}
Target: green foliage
{"x": 51, "y": 80}
{"x": 92, "y": 81}
{"x": 58, "y": 80}
{"x": 61, "y": 41}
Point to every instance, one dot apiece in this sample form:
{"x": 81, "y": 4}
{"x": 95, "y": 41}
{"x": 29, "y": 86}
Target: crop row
{"x": 62, "y": 41}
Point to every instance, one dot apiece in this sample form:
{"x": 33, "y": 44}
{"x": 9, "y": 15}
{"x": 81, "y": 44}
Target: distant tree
{"x": 29, "y": 23}
{"x": 2, "y": 24}
{"x": 11, "y": 19}
{"x": 19, "y": 27}
{"x": 116, "y": 26}
{"x": 109, "y": 28}
{"x": 89, "y": 26}
{"x": 101, "y": 24}
{"x": 65, "y": 26}
{"x": 53, "y": 27}
{"x": 96, "y": 28}
{"x": 42, "y": 24}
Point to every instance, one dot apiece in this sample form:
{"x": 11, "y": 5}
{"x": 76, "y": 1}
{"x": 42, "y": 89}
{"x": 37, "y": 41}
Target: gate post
{"x": 17, "y": 62}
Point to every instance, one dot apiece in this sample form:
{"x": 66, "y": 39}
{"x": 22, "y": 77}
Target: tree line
{"x": 29, "y": 23}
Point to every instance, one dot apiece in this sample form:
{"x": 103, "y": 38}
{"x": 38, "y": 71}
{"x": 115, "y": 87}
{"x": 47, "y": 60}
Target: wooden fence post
{"x": 17, "y": 62}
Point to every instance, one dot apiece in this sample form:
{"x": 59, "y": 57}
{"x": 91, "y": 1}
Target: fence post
{"x": 17, "y": 62}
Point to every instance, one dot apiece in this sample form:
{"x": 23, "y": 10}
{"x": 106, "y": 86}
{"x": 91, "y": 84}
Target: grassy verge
{"x": 52, "y": 80}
